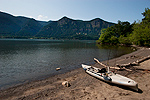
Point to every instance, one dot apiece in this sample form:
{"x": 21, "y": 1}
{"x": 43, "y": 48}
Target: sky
{"x": 108, "y": 10}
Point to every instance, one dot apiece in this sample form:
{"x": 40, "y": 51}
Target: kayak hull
{"x": 111, "y": 77}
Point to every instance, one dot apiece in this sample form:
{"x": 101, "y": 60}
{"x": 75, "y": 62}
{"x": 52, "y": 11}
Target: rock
{"x": 58, "y": 69}
{"x": 66, "y": 84}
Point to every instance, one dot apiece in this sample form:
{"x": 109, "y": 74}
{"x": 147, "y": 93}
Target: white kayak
{"x": 110, "y": 77}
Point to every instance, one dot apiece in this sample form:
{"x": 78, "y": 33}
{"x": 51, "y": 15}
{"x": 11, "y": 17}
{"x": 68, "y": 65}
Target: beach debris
{"x": 126, "y": 65}
{"x": 146, "y": 70}
{"x": 143, "y": 59}
{"x": 118, "y": 68}
{"x": 131, "y": 57}
{"x": 123, "y": 66}
{"x": 135, "y": 63}
{"x": 66, "y": 84}
{"x": 58, "y": 69}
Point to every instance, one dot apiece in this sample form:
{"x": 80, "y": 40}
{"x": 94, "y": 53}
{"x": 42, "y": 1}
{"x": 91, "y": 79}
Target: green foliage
{"x": 116, "y": 34}
{"x": 126, "y": 34}
{"x": 114, "y": 40}
{"x": 123, "y": 28}
{"x": 107, "y": 36}
{"x": 141, "y": 32}
{"x": 125, "y": 40}
{"x": 146, "y": 15}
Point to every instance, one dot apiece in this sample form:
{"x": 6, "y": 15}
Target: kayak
{"x": 110, "y": 77}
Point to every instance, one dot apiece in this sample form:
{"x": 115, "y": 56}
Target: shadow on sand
{"x": 126, "y": 88}
{"x": 120, "y": 86}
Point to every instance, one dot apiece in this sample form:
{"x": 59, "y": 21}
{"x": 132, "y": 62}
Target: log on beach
{"x": 143, "y": 59}
{"x": 118, "y": 68}
{"x": 135, "y": 63}
{"x": 127, "y": 65}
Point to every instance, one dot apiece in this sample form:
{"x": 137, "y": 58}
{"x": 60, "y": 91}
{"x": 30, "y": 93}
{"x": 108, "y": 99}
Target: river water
{"x": 23, "y": 60}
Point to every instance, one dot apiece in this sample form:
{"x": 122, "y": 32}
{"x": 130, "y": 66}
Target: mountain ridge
{"x": 65, "y": 28}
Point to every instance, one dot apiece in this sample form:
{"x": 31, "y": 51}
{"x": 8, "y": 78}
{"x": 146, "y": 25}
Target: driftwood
{"x": 142, "y": 69}
{"x": 136, "y": 63}
{"x": 123, "y": 66}
{"x": 143, "y": 59}
{"x": 118, "y": 68}
{"x": 127, "y": 65}
{"x": 97, "y": 61}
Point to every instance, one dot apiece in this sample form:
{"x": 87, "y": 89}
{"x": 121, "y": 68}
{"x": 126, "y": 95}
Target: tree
{"x": 124, "y": 33}
{"x": 141, "y": 32}
{"x": 146, "y": 15}
{"x": 114, "y": 40}
{"x": 116, "y": 34}
{"x": 125, "y": 40}
{"x": 107, "y": 36}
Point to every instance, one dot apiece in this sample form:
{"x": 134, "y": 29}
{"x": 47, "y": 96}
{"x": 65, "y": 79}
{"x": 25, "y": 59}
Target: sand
{"x": 86, "y": 87}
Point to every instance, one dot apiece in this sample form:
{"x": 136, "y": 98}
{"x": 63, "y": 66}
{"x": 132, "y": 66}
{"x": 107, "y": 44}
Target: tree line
{"x": 125, "y": 33}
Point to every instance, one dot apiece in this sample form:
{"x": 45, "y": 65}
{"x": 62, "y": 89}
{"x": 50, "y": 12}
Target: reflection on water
{"x": 22, "y": 59}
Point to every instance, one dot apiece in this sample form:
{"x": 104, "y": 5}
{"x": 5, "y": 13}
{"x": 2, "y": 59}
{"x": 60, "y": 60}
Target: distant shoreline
{"x": 43, "y": 38}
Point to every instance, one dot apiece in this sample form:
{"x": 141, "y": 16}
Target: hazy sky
{"x": 109, "y": 10}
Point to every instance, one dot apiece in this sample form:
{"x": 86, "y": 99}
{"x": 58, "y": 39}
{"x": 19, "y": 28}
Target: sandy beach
{"x": 85, "y": 87}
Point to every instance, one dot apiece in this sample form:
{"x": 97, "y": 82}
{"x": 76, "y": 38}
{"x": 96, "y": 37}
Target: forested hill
{"x": 65, "y": 28}
{"x": 74, "y": 29}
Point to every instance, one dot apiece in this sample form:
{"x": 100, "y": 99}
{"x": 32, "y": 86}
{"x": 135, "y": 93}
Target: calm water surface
{"x": 23, "y": 60}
